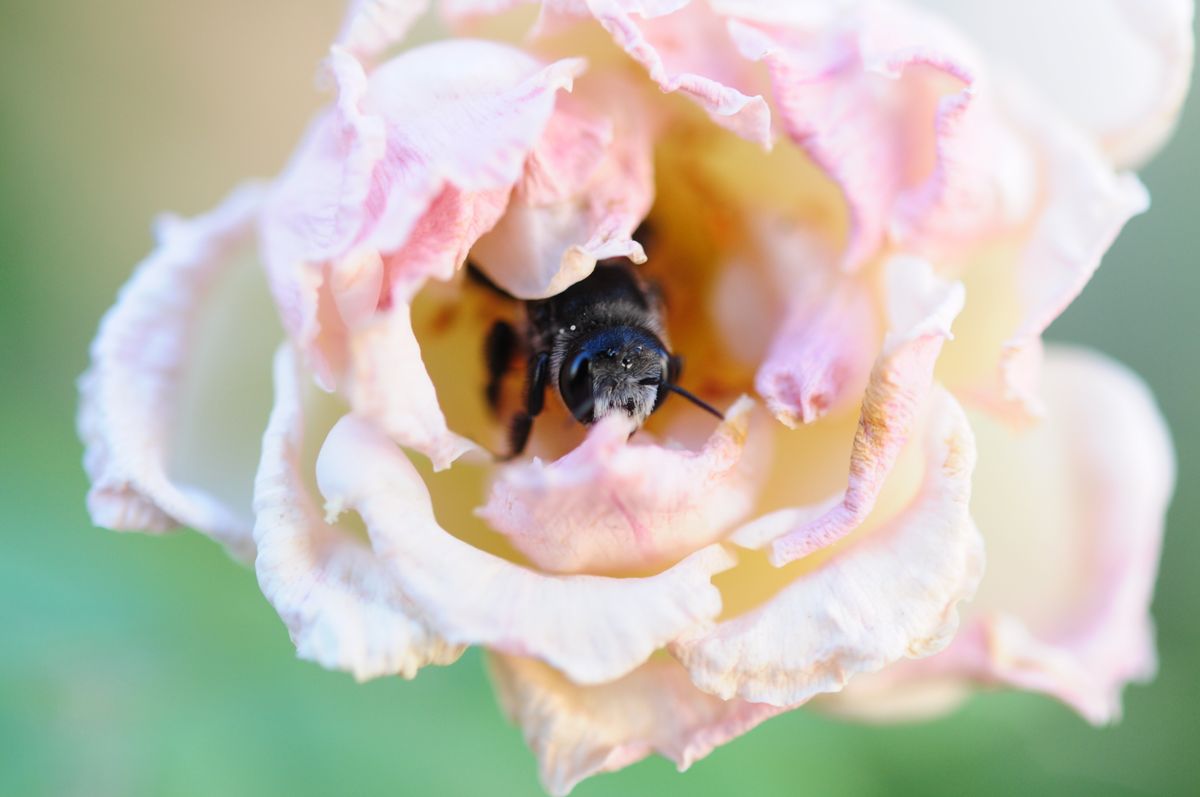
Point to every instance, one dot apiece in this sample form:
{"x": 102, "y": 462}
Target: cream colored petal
{"x": 1018, "y": 286}
{"x": 921, "y": 307}
{"x": 388, "y": 384}
{"x": 1073, "y": 512}
{"x": 1119, "y": 69}
{"x": 140, "y": 363}
{"x": 892, "y": 594}
{"x": 594, "y": 510}
{"x": 340, "y": 602}
{"x": 592, "y": 628}
{"x": 578, "y": 731}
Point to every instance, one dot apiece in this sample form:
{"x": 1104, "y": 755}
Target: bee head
{"x": 618, "y": 369}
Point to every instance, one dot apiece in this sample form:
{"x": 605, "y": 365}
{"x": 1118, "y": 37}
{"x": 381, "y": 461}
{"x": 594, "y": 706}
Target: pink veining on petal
{"x": 383, "y": 166}
{"x": 592, "y": 628}
{"x": 338, "y": 600}
{"x": 885, "y": 102}
{"x": 131, "y": 388}
{"x": 578, "y": 731}
{"x": 821, "y": 356}
{"x": 587, "y": 185}
{"x": 372, "y": 26}
{"x": 922, "y": 307}
{"x": 688, "y": 52}
{"x": 594, "y": 510}
{"x": 890, "y": 595}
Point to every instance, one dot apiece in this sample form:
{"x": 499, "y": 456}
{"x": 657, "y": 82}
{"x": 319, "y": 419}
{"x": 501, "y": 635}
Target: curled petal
{"x": 595, "y": 510}
{"x": 1073, "y": 511}
{"x": 689, "y": 53}
{"x": 848, "y": 94}
{"x": 587, "y": 186}
{"x": 821, "y": 356}
{"x": 921, "y": 306}
{"x": 371, "y": 171}
{"x": 389, "y": 385}
{"x": 592, "y": 628}
{"x": 1117, "y": 68}
{"x": 372, "y": 26}
{"x": 889, "y": 595}
{"x": 1086, "y": 204}
{"x": 340, "y": 603}
{"x": 139, "y": 363}
{"x": 578, "y": 731}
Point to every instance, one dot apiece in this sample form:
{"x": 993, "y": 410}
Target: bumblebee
{"x": 600, "y": 343}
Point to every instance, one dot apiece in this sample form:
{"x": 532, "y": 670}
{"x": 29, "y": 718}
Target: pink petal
{"x": 878, "y": 100}
{"x": 371, "y": 171}
{"x": 687, "y": 52}
{"x": 339, "y": 601}
{"x": 578, "y": 731}
{"x": 821, "y": 355}
{"x": 921, "y": 307}
{"x": 595, "y": 510}
{"x": 1073, "y": 510}
{"x": 389, "y": 386}
{"x": 1119, "y": 69}
{"x": 1086, "y": 204}
{"x": 140, "y": 361}
{"x": 372, "y": 26}
{"x": 592, "y": 628}
{"x": 890, "y": 595}
{"x": 587, "y": 186}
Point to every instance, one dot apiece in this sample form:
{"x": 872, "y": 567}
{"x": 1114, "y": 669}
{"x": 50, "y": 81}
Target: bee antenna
{"x": 699, "y": 402}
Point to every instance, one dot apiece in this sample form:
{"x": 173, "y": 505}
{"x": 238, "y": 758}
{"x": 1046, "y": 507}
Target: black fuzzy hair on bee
{"x": 601, "y": 343}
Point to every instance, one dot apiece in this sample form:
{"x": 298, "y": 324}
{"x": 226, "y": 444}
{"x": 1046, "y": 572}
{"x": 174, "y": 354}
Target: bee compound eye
{"x": 575, "y": 385}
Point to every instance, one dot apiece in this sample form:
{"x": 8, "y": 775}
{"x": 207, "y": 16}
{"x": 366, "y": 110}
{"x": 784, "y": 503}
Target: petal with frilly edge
{"x": 821, "y": 355}
{"x": 578, "y": 731}
{"x": 389, "y": 385}
{"x": 592, "y": 628}
{"x": 1073, "y": 511}
{"x": 684, "y": 49}
{"x": 372, "y": 26}
{"x": 594, "y": 510}
{"x": 1117, "y": 68}
{"x": 892, "y": 594}
{"x": 587, "y": 185}
{"x": 921, "y": 307}
{"x": 1086, "y": 205}
{"x": 340, "y": 603}
{"x": 371, "y": 170}
{"x": 139, "y": 362}
{"x": 849, "y": 93}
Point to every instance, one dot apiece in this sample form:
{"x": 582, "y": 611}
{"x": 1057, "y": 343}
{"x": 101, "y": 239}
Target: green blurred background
{"x": 132, "y": 665}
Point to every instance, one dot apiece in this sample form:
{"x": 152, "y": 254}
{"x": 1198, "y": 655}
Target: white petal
{"x": 891, "y": 594}
{"x": 592, "y": 628}
{"x": 340, "y": 602}
{"x": 133, "y": 392}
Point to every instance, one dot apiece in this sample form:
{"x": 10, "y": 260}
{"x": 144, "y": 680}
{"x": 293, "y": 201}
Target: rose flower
{"x": 860, "y": 216}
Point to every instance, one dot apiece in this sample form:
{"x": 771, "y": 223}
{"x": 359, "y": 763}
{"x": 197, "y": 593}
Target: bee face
{"x": 619, "y": 369}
